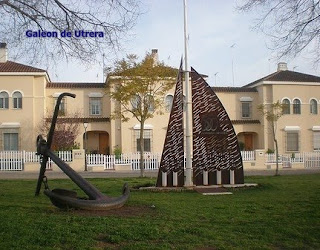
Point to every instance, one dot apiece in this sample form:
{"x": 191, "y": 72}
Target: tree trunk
{"x": 141, "y": 149}
{"x": 276, "y": 144}
{"x": 277, "y": 157}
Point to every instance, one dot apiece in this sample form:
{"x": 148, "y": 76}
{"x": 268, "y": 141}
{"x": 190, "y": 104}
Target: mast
{"x": 188, "y": 121}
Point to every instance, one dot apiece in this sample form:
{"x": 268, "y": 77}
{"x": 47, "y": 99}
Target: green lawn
{"x": 282, "y": 213}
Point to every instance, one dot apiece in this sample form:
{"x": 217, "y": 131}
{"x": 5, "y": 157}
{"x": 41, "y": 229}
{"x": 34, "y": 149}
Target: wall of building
{"x": 32, "y": 89}
{"x": 305, "y": 121}
{"x": 79, "y": 107}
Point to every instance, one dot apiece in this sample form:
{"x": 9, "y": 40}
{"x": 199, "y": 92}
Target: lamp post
{"x": 85, "y": 125}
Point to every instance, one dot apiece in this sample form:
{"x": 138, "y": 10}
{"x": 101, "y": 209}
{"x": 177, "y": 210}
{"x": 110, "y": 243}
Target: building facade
{"x": 27, "y": 97}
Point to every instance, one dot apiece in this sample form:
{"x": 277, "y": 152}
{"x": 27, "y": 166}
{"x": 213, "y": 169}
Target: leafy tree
{"x": 113, "y": 17}
{"x": 272, "y": 112}
{"x": 292, "y": 25}
{"x": 139, "y": 88}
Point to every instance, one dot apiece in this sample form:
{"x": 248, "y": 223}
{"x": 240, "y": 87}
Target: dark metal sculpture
{"x": 65, "y": 198}
{"x": 216, "y": 153}
{"x": 172, "y": 159}
{"x": 215, "y": 144}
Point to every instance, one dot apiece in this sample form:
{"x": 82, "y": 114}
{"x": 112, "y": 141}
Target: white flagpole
{"x": 188, "y": 133}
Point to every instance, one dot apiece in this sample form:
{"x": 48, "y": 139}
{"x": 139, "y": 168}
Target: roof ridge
{"x": 25, "y": 65}
{"x": 261, "y": 79}
{"x": 286, "y": 76}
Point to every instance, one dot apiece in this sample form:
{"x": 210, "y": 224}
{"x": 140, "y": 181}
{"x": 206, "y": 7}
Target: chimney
{"x": 282, "y": 66}
{"x": 154, "y": 54}
{"x": 3, "y": 53}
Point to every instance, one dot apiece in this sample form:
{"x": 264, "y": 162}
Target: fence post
{"x": 24, "y": 156}
{"x": 260, "y": 157}
{"x": 78, "y": 159}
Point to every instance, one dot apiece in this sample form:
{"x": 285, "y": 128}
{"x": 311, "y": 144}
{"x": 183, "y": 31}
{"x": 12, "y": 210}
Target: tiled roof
{"x": 245, "y": 121}
{"x": 233, "y": 89}
{"x": 287, "y": 76}
{"x": 71, "y": 85}
{"x": 9, "y": 66}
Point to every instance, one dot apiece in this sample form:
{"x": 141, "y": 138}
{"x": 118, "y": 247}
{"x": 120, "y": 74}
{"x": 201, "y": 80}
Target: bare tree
{"x": 139, "y": 89}
{"x": 114, "y": 18}
{"x": 272, "y": 112}
{"x": 292, "y": 25}
{"x": 65, "y": 134}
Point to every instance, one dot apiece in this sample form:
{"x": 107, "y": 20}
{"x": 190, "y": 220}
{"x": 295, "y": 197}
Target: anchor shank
{"x": 90, "y": 190}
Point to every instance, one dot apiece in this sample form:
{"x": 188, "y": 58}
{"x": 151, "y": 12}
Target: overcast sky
{"x": 213, "y": 27}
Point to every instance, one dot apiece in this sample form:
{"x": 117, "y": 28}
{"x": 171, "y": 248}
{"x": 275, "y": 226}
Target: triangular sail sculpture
{"x": 171, "y": 171}
{"x": 216, "y": 152}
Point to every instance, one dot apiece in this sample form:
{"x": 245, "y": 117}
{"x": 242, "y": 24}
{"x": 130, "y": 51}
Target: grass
{"x": 282, "y": 213}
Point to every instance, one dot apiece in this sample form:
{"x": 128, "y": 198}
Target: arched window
{"x": 296, "y": 106}
{"x": 285, "y": 106}
{"x": 168, "y": 102}
{"x": 136, "y": 102}
{"x": 150, "y": 103}
{"x": 4, "y": 100}
{"x": 17, "y": 100}
{"x": 313, "y": 107}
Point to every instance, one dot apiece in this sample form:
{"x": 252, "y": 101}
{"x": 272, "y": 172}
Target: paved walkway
{"x": 114, "y": 174}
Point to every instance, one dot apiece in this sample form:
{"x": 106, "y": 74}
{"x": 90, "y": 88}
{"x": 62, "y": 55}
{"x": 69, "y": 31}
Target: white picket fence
{"x": 151, "y": 160}
{"x": 309, "y": 159}
{"x": 11, "y": 160}
{"x": 15, "y": 160}
{"x": 248, "y": 155}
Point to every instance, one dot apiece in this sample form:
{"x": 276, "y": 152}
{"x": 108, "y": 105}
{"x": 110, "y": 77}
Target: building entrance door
{"x": 103, "y": 143}
{"x": 248, "y": 142}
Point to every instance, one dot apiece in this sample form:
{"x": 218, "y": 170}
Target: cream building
{"x": 298, "y": 130}
{"x": 22, "y": 103}
{"x": 27, "y": 96}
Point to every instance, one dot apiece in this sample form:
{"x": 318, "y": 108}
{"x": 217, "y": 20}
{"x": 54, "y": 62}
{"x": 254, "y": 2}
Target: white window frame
{"x": 147, "y": 136}
{"x": 313, "y": 107}
{"x": 17, "y": 100}
{"x": 316, "y": 140}
{"x": 168, "y": 102}
{"x": 151, "y": 102}
{"x": 249, "y": 103}
{"x": 62, "y": 106}
{"x": 295, "y": 106}
{"x": 292, "y": 148}
{"x": 13, "y": 141}
{"x": 288, "y": 106}
{"x": 95, "y": 106}
{"x": 4, "y": 100}
{"x": 135, "y": 102}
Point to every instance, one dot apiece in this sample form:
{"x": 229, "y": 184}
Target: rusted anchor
{"x": 66, "y": 198}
